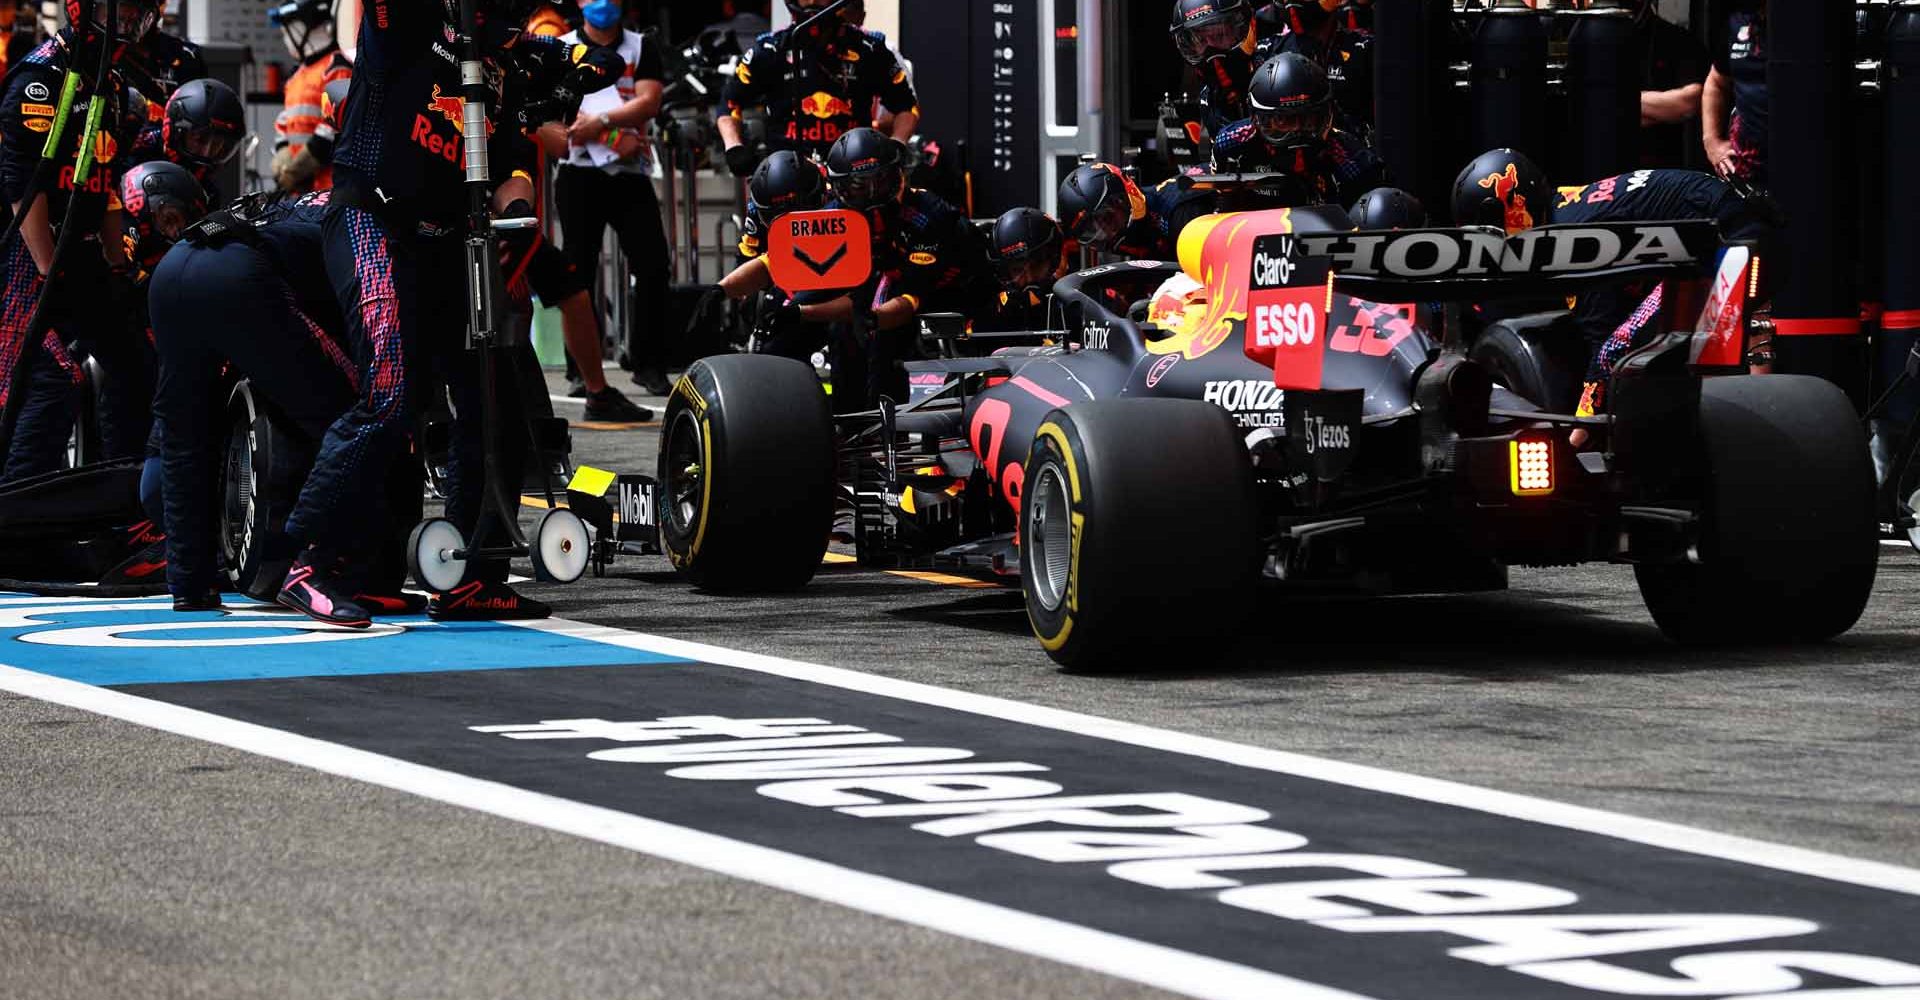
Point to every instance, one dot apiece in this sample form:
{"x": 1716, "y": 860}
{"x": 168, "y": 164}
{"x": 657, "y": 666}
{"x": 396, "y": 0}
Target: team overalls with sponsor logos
{"x": 1337, "y": 171}
{"x": 813, "y": 95}
{"x": 1615, "y": 318}
{"x": 1163, "y": 211}
{"x": 45, "y": 378}
{"x": 261, "y": 271}
{"x": 392, "y": 251}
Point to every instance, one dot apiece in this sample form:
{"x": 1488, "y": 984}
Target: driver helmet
{"x": 787, "y": 182}
{"x": 864, "y": 169}
{"x": 1097, "y": 203}
{"x": 1026, "y": 248}
{"x": 1210, "y": 29}
{"x": 1503, "y": 188}
{"x": 161, "y": 200}
{"x": 132, "y": 20}
{"x": 1291, "y": 102}
{"x": 1388, "y": 208}
{"x": 204, "y": 123}
{"x": 306, "y": 27}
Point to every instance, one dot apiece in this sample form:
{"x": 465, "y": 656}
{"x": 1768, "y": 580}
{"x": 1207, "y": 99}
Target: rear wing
{"x": 1474, "y": 264}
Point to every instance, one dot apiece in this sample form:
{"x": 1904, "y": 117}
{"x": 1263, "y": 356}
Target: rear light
{"x": 1530, "y": 466}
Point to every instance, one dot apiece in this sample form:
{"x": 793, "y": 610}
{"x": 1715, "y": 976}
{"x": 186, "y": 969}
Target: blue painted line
{"x": 143, "y": 641}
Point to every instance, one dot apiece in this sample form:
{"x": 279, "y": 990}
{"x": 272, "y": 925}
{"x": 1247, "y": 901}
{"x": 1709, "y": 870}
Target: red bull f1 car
{"x": 1304, "y": 413}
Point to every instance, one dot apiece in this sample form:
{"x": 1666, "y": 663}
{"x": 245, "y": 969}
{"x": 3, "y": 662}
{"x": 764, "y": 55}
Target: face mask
{"x": 602, "y": 14}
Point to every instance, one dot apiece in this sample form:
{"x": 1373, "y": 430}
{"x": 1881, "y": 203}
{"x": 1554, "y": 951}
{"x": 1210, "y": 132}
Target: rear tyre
{"x": 1139, "y": 533}
{"x": 1788, "y": 539}
{"x": 1533, "y": 362}
{"x": 746, "y": 474}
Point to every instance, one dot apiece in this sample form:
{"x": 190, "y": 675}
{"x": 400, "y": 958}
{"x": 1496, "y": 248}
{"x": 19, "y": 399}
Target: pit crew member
{"x": 306, "y": 29}
{"x": 1101, "y": 207}
{"x": 1504, "y": 188}
{"x": 1030, "y": 252}
{"x": 1291, "y": 130}
{"x": 160, "y": 200}
{"x": 201, "y": 129}
{"x": 38, "y": 376}
{"x": 392, "y": 251}
{"x": 816, "y": 84}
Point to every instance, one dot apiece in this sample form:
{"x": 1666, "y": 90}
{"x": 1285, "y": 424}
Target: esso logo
{"x": 1287, "y": 324}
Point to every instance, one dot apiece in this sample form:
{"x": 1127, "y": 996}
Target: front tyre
{"x": 746, "y": 474}
{"x": 1788, "y": 539}
{"x": 1139, "y": 532}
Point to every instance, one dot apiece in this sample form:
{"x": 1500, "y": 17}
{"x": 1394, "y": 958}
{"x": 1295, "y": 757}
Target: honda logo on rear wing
{"x": 1476, "y": 263}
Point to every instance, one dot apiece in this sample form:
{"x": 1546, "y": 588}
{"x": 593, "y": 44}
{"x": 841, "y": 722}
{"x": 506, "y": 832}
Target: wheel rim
{"x": 1050, "y": 535}
{"x": 1913, "y": 533}
{"x": 239, "y": 495}
{"x": 563, "y": 545}
{"x": 438, "y": 569}
{"x": 686, "y": 475}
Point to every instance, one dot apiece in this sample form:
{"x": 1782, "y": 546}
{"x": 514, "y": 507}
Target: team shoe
{"x": 480, "y": 601}
{"x": 397, "y": 603}
{"x": 316, "y": 595}
{"x": 209, "y": 601}
{"x": 609, "y": 406}
{"x": 654, "y": 381}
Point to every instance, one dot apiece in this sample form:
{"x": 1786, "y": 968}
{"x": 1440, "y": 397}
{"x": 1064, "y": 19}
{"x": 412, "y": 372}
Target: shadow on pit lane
{"x": 1497, "y": 637}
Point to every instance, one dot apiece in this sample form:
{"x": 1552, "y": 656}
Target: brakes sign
{"x": 820, "y": 251}
{"x": 1287, "y": 302}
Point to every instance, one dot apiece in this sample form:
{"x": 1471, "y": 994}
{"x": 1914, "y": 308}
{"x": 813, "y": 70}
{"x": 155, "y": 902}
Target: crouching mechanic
{"x": 160, "y": 200}
{"x": 38, "y": 377}
{"x": 1504, "y": 188}
{"x": 393, "y": 251}
{"x": 1101, "y": 207}
{"x": 200, "y": 129}
{"x": 927, "y": 258}
{"x": 1029, "y": 252}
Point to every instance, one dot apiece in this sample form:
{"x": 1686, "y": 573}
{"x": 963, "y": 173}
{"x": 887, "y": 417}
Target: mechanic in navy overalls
{"x": 393, "y": 252}
{"x": 926, "y": 258}
{"x": 1102, "y": 208}
{"x": 815, "y": 85}
{"x": 1733, "y": 105}
{"x": 1290, "y": 129}
{"x": 1505, "y": 188}
{"x": 38, "y": 381}
{"x": 1030, "y": 252}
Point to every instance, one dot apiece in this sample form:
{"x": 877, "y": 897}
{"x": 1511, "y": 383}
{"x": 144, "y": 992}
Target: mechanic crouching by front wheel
{"x": 160, "y": 200}
{"x": 86, "y": 287}
{"x": 926, "y": 258}
{"x": 393, "y": 250}
{"x": 201, "y": 130}
{"x": 784, "y": 182}
{"x": 1029, "y": 253}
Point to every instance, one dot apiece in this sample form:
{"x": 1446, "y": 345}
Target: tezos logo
{"x": 1325, "y": 436}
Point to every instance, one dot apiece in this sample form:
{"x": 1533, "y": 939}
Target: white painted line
{"x": 1113, "y": 954}
{"x": 567, "y": 399}
{"x": 1654, "y": 833}
{"x": 1896, "y": 543}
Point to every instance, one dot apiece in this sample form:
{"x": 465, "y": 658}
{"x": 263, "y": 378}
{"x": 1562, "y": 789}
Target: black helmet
{"x": 204, "y": 123}
{"x": 302, "y": 23}
{"x": 1387, "y": 208}
{"x": 788, "y": 182}
{"x": 160, "y": 199}
{"x": 864, "y": 169}
{"x": 1026, "y": 248}
{"x": 1291, "y": 101}
{"x": 134, "y": 18}
{"x": 1204, "y": 29}
{"x": 1501, "y": 187}
{"x": 1098, "y": 202}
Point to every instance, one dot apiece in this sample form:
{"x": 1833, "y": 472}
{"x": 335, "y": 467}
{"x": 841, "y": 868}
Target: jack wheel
{"x": 561, "y": 547}
{"x": 430, "y": 555}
